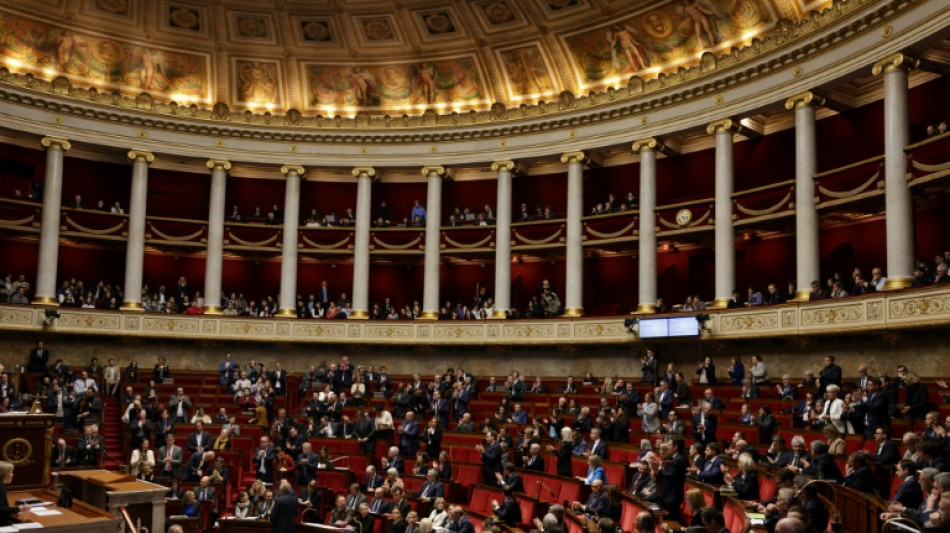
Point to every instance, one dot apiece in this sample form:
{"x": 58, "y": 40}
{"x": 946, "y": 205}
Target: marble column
{"x": 505, "y": 170}
{"x": 725, "y": 239}
{"x": 574, "y": 263}
{"x": 647, "y": 148}
{"x": 430, "y": 288}
{"x": 135, "y": 245}
{"x": 807, "y": 237}
{"x": 288, "y": 250}
{"x": 49, "y": 225}
{"x": 898, "y": 202}
{"x": 215, "y": 253}
{"x": 364, "y": 179}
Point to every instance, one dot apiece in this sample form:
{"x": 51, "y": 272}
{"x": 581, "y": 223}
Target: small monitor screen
{"x": 686, "y": 326}
{"x": 653, "y": 328}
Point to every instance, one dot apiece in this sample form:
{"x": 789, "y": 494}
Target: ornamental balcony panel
{"x": 473, "y": 239}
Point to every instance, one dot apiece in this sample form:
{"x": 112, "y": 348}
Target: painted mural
{"x": 407, "y": 84}
{"x": 673, "y": 33}
{"x": 526, "y": 72}
{"x": 128, "y": 67}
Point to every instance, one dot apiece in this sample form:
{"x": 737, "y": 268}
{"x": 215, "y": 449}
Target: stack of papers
{"x": 27, "y": 525}
{"x": 45, "y": 511}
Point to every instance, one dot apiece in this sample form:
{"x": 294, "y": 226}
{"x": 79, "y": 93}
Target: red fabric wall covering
{"x": 89, "y": 264}
{"x": 94, "y": 181}
{"x": 610, "y": 285}
{"x": 601, "y": 182}
{"x": 19, "y": 177}
{"x": 764, "y": 160}
{"x": 549, "y": 189}
{"x": 165, "y": 269}
{"x": 861, "y": 245}
{"x": 400, "y": 196}
{"x": 457, "y": 282}
{"x": 472, "y": 194}
{"x": 932, "y": 234}
{"x": 178, "y": 194}
{"x": 402, "y": 284}
{"x": 325, "y": 196}
{"x": 526, "y": 280}
{"x": 248, "y": 193}
{"x": 19, "y": 257}
{"x": 683, "y": 178}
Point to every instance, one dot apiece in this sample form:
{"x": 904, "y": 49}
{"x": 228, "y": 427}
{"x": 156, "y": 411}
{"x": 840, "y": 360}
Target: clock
{"x": 683, "y": 217}
{"x": 18, "y": 451}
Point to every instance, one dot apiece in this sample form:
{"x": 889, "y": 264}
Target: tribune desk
{"x": 80, "y": 518}
{"x": 113, "y": 491}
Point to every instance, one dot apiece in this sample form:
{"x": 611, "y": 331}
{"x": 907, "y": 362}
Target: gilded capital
{"x": 723, "y": 126}
{"x": 287, "y": 170}
{"x": 805, "y": 99}
{"x": 505, "y": 165}
{"x": 368, "y": 172}
{"x": 898, "y": 61}
{"x": 141, "y": 155}
{"x": 214, "y": 164}
{"x": 575, "y": 157}
{"x": 650, "y": 144}
{"x": 437, "y": 170}
{"x": 50, "y": 142}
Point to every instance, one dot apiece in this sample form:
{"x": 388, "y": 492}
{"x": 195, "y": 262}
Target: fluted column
{"x": 505, "y": 170}
{"x": 574, "y": 263}
{"x": 213, "y": 258}
{"x": 135, "y": 245}
{"x": 647, "y": 271}
{"x": 364, "y": 180}
{"x": 898, "y": 204}
{"x": 430, "y": 294}
{"x": 49, "y": 227}
{"x": 288, "y": 249}
{"x": 807, "y": 268}
{"x": 725, "y": 237}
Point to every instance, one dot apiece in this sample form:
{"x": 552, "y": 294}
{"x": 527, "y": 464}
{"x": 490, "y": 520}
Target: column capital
{"x": 368, "y": 172}
{"x": 897, "y": 61}
{"x": 650, "y": 144}
{"x": 506, "y": 165}
{"x": 62, "y": 144}
{"x": 804, "y": 99}
{"x": 218, "y": 163}
{"x": 287, "y": 170}
{"x": 575, "y": 157}
{"x": 437, "y": 170}
{"x": 141, "y": 155}
{"x": 723, "y": 126}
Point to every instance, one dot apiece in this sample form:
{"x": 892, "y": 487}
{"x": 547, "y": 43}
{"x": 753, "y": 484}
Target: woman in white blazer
{"x": 141, "y": 456}
{"x": 649, "y": 410}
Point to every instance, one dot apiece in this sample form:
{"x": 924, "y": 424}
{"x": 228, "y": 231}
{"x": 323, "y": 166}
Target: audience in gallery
{"x": 612, "y": 205}
{"x": 589, "y": 429}
{"x": 936, "y": 129}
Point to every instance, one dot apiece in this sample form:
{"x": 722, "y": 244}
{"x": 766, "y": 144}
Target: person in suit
{"x": 491, "y": 457}
{"x": 458, "y": 522}
{"x": 564, "y": 452}
{"x": 432, "y": 488}
{"x": 643, "y": 485}
{"x": 886, "y": 452}
{"x": 266, "y": 506}
{"x": 409, "y": 435}
{"x": 706, "y": 372}
{"x": 169, "y": 458}
{"x": 876, "y": 405}
{"x": 534, "y": 461}
{"x": 704, "y": 424}
{"x": 597, "y": 445}
{"x": 64, "y": 455}
{"x": 510, "y": 477}
{"x": 161, "y": 370}
{"x": 263, "y": 460}
{"x": 39, "y": 358}
{"x": 785, "y": 389}
{"x": 830, "y": 374}
{"x": 306, "y": 464}
{"x": 279, "y": 380}
{"x": 393, "y": 460}
{"x": 284, "y": 515}
{"x": 373, "y": 480}
{"x": 400, "y": 502}
{"x": 355, "y": 497}
{"x": 198, "y": 465}
{"x": 711, "y": 471}
{"x": 200, "y": 439}
{"x": 378, "y": 505}
{"x": 909, "y": 493}
{"x": 341, "y": 514}
{"x": 596, "y": 503}
{"x": 859, "y": 476}
{"x": 665, "y": 399}
{"x": 91, "y": 446}
{"x": 672, "y": 477}
{"x": 204, "y": 490}
{"x": 648, "y": 364}
{"x": 823, "y": 465}
{"x": 178, "y": 406}
{"x": 508, "y": 510}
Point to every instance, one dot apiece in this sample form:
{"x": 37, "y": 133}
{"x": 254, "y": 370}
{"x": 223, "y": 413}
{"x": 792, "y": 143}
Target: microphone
{"x": 551, "y": 492}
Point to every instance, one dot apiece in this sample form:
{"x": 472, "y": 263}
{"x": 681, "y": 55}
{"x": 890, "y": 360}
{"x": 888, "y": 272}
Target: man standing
{"x": 171, "y": 457}
{"x": 178, "y": 406}
{"x": 39, "y": 358}
{"x": 285, "y": 510}
{"x": 672, "y": 477}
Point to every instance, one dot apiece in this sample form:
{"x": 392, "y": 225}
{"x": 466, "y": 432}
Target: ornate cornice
{"x": 434, "y": 171}
{"x": 650, "y": 144}
{"x": 724, "y": 126}
{"x": 54, "y": 142}
{"x": 288, "y": 170}
{"x": 141, "y": 156}
{"x": 898, "y": 61}
{"x": 364, "y": 172}
{"x": 575, "y": 157}
{"x": 214, "y": 164}
{"x": 508, "y": 165}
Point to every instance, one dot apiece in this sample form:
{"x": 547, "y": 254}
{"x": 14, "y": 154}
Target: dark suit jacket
{"x": 909, "y": 494}
{"x": 464, "y": 525}
{"x": 432, "y": 490}
{"x": 535, "y": 463}
{"x": 824, "y": 467}
{"x": 599, "y": 449}
{"x": 284, "y": 514}
{"x": 206, "y": 441}
{"x": 65, "y": 457}
{"x": 711, "y": 472}
{"x": 363, "y": 524}
{"x": 860, "y": 479}
{"x": 875, "y": 408}
{"x": 710, "y": 373}
{"x": 672, "y": 479}
{"x": 380, "y": 506}
{"x": 819, "y": 513}
{"x": 403, "y": 506}
{"x": 709, "y": 433}
{"x": 888, "y": 454}
{"x": 509, "y": 512}
{"x": 747, "y": 486}
{"x": 373, "y": 482}
{"x": 39, "y": 359}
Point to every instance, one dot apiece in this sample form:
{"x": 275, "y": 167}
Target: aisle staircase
{"x": 112, "y": 431}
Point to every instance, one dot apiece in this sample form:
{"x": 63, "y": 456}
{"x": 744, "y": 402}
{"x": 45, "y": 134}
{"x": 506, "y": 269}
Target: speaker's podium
{"x": 143, "y": 503}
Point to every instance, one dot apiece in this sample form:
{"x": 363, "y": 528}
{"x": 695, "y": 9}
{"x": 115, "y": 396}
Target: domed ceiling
{"x": 396, "y": 57}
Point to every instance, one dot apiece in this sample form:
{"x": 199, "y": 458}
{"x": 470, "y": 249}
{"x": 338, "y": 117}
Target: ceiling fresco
{"x": 333, "y": 57}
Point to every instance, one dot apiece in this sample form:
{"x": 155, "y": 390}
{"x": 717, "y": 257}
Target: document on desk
{"x": 45, "y": 511}
{"x": 27, "y": 525}
{"x": 8, "y": 529}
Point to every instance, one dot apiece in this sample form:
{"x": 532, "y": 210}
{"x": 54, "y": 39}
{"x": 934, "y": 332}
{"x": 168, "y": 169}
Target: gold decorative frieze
{"x": 748, "y": 322}
{"x": 839, "y": 314}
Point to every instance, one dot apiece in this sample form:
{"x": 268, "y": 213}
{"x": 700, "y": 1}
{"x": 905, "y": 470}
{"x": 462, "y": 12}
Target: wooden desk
{"x": 80, "y": 518}
{"x": 235, "y": 525}
{"x": 144, "y": 501}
